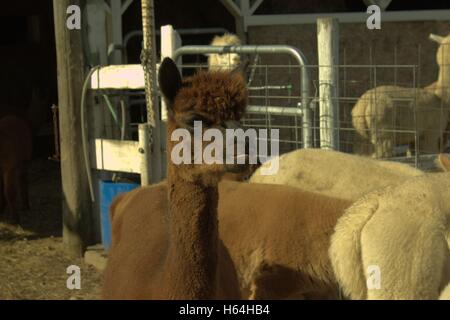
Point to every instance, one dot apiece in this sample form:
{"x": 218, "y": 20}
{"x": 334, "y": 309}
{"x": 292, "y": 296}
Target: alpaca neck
{"x": 193, "y": 238}
{"x": 443, "y": 84}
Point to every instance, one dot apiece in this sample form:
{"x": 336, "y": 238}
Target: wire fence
{"x": 382, "y": 111}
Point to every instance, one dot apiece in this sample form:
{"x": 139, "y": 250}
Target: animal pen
{"x": 277, "y": 100}
{"x": 287, "y": 96}
{"x": 312, "y": 106}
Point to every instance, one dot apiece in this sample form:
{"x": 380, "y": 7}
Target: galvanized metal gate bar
{"x": 298, "y": 56}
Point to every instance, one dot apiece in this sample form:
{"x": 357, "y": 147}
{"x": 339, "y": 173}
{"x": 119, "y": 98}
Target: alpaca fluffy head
{"x": 215, "y": 96}
{"x": 224, "y": 61}
{"x": 217, "y": 100}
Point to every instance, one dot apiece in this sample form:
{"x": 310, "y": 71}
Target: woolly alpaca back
{"x": 226, "y": 61}
{"x": 414, "y": 216}
{"x": 335, "y": 174}
{"x": 288, "y": 241}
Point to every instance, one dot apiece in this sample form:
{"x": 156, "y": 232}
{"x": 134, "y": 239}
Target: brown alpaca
{"x": 277, "y": 237}
{"x": 182, "y": 255}
{"x": 15, "y": 152}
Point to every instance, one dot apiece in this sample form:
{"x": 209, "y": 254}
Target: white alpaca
{"x": 383, "y": 109}
{"x": 334, "y": 174}
{"x": 441, "y": 87}
{"x": 401, "y": 231}
{"x": 224, "y": 61}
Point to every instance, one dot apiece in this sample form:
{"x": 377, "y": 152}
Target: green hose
{"x": 111, "y": 109}
{"x": 83, "y": 131}
{"x": 83, "y": 127}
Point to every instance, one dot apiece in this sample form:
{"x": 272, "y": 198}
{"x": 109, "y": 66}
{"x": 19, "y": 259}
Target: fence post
{"x": 170, "y": 41}
{"x": 328, "y": 51}
{"x": 144, "y": 151}
{"x": 149, "y": 61}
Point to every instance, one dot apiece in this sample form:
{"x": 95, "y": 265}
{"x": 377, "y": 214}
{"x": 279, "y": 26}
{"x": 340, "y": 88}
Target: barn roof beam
{"x": 125, "y": 5}
{"x": 255, "y": 6}
{"x": 383, "y": 4}
{"x": 346, "y": 17}
{"x": 232, "y": 7}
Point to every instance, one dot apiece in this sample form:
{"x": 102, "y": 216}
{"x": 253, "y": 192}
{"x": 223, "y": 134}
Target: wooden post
{"x": 170, "y": 42}
{"x": 144, "y": 151}
{"x": 70, "y": 62}
{"x": 328, "y": 50}
{"x": 153, "y": 117}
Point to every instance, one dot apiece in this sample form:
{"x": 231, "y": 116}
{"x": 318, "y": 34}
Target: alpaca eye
{"x": 191, "y": 121}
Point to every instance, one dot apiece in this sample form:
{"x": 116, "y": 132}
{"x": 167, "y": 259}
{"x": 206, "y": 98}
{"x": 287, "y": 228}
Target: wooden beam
{"x": 71, "y": 66}
{"x": 255, "y": 6}
{"x": 346, "y": 17}
{"x": 126, "y": 5}
{"x": 239, "y": 18}
{"x": 383, "y": 4}
{"x": 245, "y": 7}
{"x": 232, "y": 8}
{"x": 107, "y": 7}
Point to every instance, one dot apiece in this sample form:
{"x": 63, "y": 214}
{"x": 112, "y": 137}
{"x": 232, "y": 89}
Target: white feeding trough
{"x": 118, "y": 77}
{"x": 116, "y": 155}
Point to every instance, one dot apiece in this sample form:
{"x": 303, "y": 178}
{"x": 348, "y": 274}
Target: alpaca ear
{"x": 169, "y": 80}
{"x": 436, "y": 38}
{"x": 444, "y": 162}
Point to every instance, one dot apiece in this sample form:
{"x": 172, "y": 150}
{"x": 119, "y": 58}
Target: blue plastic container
{"x": 108, "y": 191}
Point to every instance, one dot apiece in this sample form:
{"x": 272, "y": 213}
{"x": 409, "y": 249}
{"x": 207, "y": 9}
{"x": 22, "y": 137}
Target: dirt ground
{"x": 32, "y": 259}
